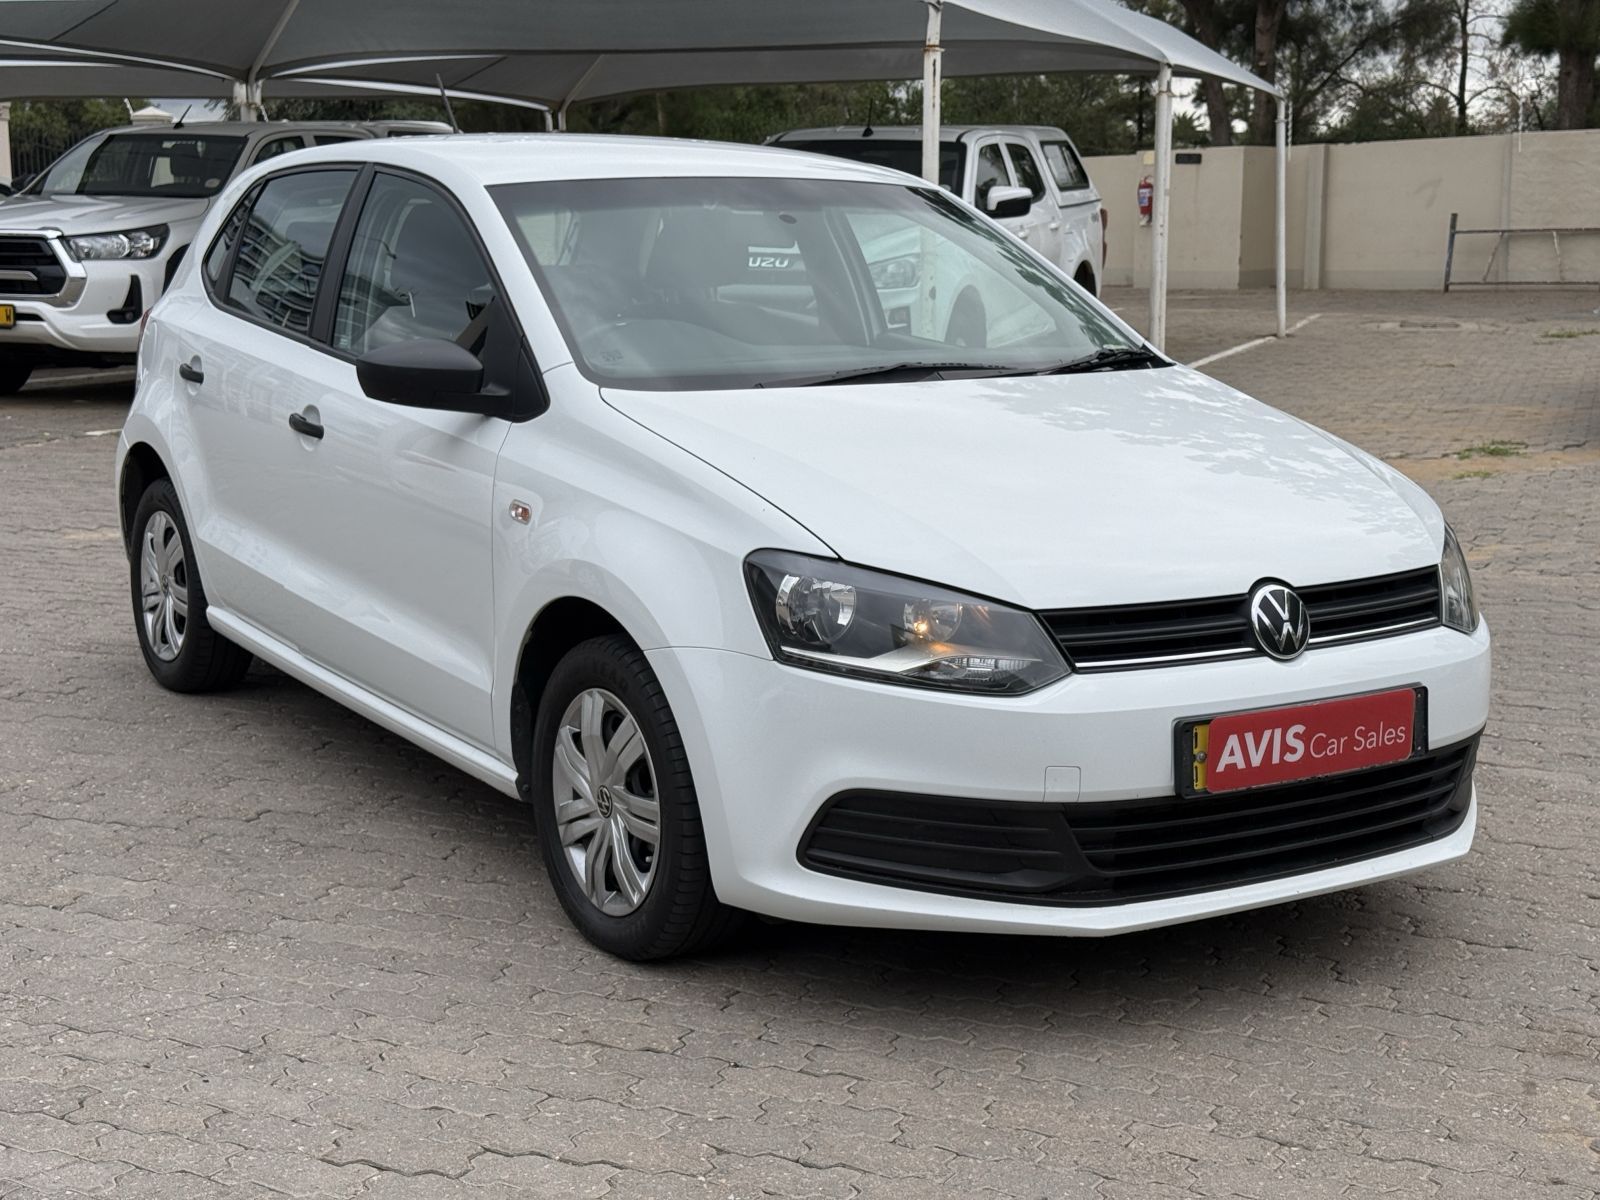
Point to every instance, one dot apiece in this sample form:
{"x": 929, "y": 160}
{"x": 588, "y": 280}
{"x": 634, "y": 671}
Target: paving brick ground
{"x": 252, "y": 946}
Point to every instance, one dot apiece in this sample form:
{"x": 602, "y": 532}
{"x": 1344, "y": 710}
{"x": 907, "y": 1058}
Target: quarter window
{"x": 217, "y": 257}
{"x": 414, "y": 272}
{"x": 284, "y": 244}
{"x": 1065, "y": 167}
{"x": 1027, "y": 170}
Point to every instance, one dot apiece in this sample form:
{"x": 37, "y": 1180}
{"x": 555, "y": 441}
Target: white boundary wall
{"x": 1370, "y": 215}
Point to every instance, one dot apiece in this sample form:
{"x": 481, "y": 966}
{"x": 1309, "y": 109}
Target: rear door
{"x": 1044, "y": 218}
{"x": 1082, "y": 229}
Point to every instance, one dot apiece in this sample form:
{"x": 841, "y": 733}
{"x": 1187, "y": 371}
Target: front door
{"x": 1043, "y": 222}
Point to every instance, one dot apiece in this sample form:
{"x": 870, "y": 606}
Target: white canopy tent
{"x": 557, "y": 53}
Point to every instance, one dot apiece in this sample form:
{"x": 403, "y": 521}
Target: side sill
{"x": 458, "y": 753}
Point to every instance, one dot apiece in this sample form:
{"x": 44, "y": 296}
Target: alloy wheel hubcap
{"x": 163, "y": 587}
{"x": 607, "y": 813}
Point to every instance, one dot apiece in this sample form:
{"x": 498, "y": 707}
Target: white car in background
{"x": 1030, "y": 178}
{"x": 533, "y": 451}
{"x": 88, "y": 245}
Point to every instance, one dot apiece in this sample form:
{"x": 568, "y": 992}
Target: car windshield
{"x": 676, "y": 284}
{"x": 900, "y": 154}
{"x": 170, "y": 163}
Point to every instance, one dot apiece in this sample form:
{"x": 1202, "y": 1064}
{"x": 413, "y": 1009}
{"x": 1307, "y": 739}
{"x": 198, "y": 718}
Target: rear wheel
{"x": 1085, "y": 279}
{"x": 619, "y": 823}
{"x": 181, "y": 649}
{"x": 14, "y": 377}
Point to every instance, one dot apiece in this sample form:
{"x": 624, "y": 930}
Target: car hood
{"x": 1114, "y": 487}
{"x": 96, "y": 214}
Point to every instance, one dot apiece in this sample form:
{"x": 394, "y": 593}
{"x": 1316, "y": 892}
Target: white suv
{"x": 90, "y": 243}
{"x": 1028, "y": 177}
{"x": 529, "y": 450}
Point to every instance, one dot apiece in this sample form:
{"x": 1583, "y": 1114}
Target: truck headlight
{"x": 894, "y": 273}
{"x": 829, "y": 616}
{"x": 135, "y": 243}
{"x": 1458, "y": 601}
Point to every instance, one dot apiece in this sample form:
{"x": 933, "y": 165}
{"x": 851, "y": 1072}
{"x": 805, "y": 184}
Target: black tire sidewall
{"x": 14, "y": 377}
{"x": 187, "y": 671}
{"x": 655, "y": 928}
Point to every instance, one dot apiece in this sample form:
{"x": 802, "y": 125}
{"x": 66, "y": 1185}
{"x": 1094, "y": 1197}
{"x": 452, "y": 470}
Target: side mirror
{"x": 427, "y": 373}
{"x": 1004, "y": 202}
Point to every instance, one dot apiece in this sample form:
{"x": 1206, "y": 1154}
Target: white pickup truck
{"x": 88, "y": 245}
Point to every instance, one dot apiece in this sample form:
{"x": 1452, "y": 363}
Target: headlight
{"x": 896, "y": 272}
{"x": 136, "y": 243}
{"x": 830, "y": 616}
{"x": 1460, "y": 605}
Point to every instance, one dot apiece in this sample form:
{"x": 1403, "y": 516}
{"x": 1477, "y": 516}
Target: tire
{"x": 598, "y": 688}
{"x": 969, "y": 323}
{"x": 1085, "y": 279}
{"x": 181, "y": 649}
{"x": 14, "y": 377}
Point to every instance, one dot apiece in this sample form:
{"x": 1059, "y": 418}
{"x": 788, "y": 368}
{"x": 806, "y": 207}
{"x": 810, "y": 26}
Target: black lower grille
{"x": 1140, "y": 849}
{"x": 28, "y": 267}
{"x": 1119, "y": 637}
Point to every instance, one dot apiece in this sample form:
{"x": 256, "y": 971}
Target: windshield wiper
{"x": 887, "y": 373}
{"x": 1113, "y": 358}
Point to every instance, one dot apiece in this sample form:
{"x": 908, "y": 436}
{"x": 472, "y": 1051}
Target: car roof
{"x": 246, "y": 128}
{"x": 492, "y": 159}
{"x": 899, "y": 133}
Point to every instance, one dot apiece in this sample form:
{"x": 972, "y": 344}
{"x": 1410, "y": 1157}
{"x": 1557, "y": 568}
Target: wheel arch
{"x": 563, "y": 623}
{"x": 141, "y": 467}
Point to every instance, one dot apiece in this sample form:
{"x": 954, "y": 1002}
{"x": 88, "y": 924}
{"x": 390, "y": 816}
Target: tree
{"x": 1570, "y": 30}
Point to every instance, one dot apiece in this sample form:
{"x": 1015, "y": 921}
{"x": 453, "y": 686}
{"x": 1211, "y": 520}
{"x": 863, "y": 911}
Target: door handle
{"x": 1023, "y": 234}
{"x": 1054, "y": 225}
{"x": 301, "y": 424}
{"x": 191, "y": 371}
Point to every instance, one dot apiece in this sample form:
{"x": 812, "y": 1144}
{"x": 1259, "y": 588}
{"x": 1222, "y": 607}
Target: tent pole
{"x": 561, "y": 112}
{"x": 1280, "y": 250}
{"x": 932, "y": 86}
{"x": 253, "y": 80}
{"x": 1160, "y": 201}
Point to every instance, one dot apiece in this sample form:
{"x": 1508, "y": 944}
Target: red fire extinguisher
{"x": 1147, "y": 192}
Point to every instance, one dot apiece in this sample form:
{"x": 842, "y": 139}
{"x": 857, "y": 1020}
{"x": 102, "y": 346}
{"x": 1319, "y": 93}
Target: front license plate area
{"x": 8, "y": 315}
{"x": 1261, "y": 747}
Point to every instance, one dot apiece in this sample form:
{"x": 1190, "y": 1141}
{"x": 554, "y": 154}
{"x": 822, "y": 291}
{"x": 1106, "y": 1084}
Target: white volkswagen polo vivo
{"x": 595, "y": 467}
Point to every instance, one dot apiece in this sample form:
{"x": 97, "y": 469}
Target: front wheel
{"x": 618, "y": 820}
{"x": 14, "y": 377}
{"x": 181, "y": 649}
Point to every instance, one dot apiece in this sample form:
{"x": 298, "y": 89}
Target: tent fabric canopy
{"x": 556, "y": 52}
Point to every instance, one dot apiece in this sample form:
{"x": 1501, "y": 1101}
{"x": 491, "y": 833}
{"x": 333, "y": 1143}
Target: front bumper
{"x": 77, "y": 320}
{"x": 770, "y": 745}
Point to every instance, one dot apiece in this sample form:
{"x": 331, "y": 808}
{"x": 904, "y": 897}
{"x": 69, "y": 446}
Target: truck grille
{"x": 1130, "y": 850}
{"x": 28, "y": 267}
{"x": 1122, "y": 637}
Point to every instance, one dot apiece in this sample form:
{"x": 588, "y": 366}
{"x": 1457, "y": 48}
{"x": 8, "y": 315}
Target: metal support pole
{"x": 932, "y": 86}
{"x": 1281, "y": 209}
{"x": 1160, "y": 204}
{"x": 241, "y": 100}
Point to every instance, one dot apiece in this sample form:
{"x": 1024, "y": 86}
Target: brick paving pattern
{"x": 255, "y": 947}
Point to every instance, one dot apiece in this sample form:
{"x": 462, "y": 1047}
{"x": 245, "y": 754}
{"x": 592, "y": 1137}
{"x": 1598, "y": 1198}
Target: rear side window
{"x": 1027, "y": 170}
{"x": 283, "y": 245}
{"x": 332, "y": 139}
{"x": 1065, "y": 167}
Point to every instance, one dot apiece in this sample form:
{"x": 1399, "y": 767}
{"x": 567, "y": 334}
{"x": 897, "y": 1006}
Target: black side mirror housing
{"x": 429, "y": 373}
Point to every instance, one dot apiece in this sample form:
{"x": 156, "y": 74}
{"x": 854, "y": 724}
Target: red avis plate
{"x": 1303, "y": 741}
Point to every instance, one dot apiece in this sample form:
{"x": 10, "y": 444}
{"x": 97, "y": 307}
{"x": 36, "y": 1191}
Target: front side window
{"x": 284, "y": 244}
{"x": 176, "y": 164}
{"x": 991, "y": 173}
{"x": 676, "y": 284}
{"x": 1027, "y": 170}
{"x": 1064, "y": 165}
{"x": 414, "y": 272}
{"x": 273, "y": 147}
